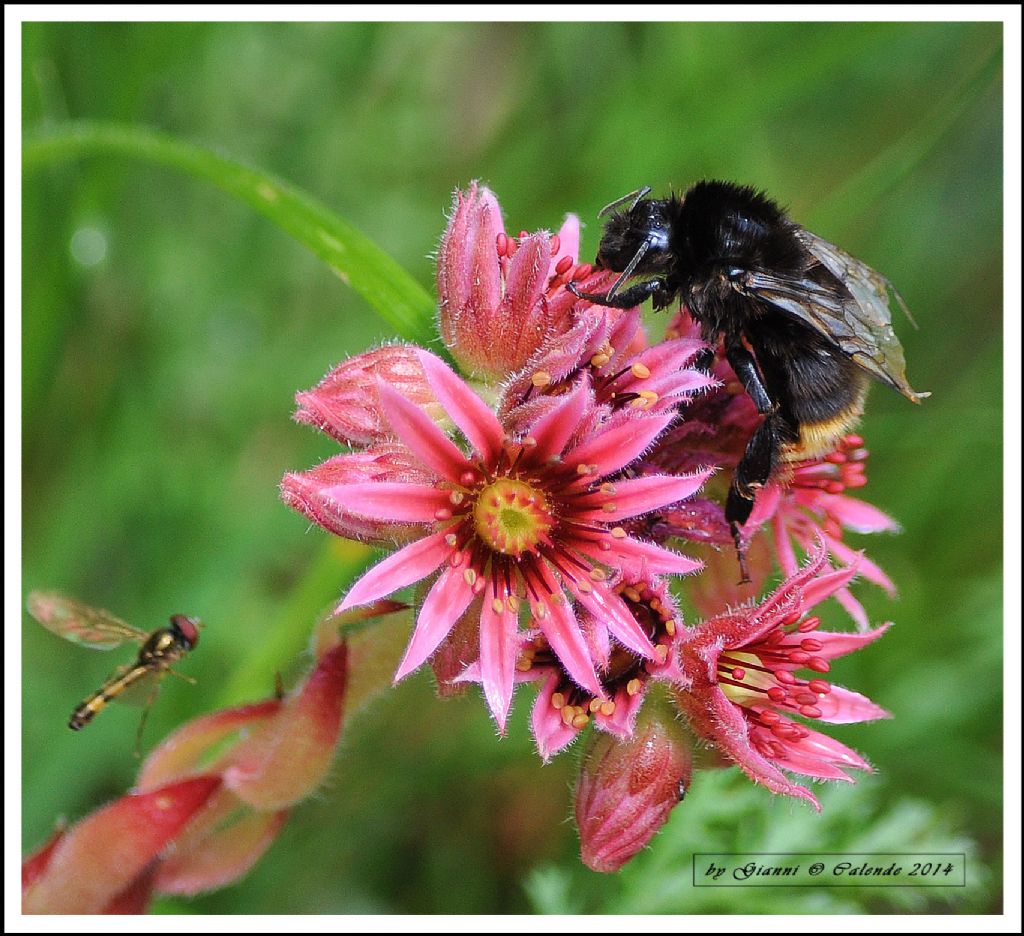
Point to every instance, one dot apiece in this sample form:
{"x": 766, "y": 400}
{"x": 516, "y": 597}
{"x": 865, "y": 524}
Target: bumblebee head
{"x": 637, "y": 241}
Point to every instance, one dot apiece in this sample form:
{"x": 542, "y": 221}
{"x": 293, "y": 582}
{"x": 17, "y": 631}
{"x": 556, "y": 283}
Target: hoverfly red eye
{"x": 187, "y": 627}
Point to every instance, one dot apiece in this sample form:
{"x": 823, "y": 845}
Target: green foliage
{"x": 166, "y": 328}
{"x": 854, "y": 820}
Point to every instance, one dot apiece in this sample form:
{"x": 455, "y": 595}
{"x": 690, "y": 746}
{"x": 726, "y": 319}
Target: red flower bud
{"x": 627, "y": 789}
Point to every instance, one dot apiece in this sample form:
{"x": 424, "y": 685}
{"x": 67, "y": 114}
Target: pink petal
{"x": 765, "y": 505}
{"x": 498, "y": 649}
{"x": 602, "y": 603}
{"x": 410, "y": 564}
{"x": 839, "y": 644}
{"x": 722, "y": 723}
{"x": 563, "y": 633}
{"x": 419, "y": 432}
{"x": 818, "y": 755}
{"x": 393, "y": 501}
{"x": 549, "y": 730}
{"x": 784, "y": 548}
{"x": 468, "y": 274}
{"x": 858, "y": 516}
{"x": 568, "y": 242}
{"x": 865, "y": 567}
{"x": 853, "y": 608}
{"x": 101, "y": 856}
{"x": 843, "y": 706}
{"x": 474, "y": 418}
{"x": 824, "y": 586}
{"x": 615, "y": 448}
{"x": 445, "y": 602}
{"x": 304, "y": 491}
{"x": 554, "y": 429}
{"x": 638, "y": 496}
{"x": 656, "y": 560}
{"x": 622, "y": 721}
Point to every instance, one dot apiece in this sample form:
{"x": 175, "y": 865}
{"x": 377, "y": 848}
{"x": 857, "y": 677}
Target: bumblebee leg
{"x": 743, "y": 363}
{"x": 752, "y": 473}
{"x": 623, "y": 300}
{"x": 705, "y": 359}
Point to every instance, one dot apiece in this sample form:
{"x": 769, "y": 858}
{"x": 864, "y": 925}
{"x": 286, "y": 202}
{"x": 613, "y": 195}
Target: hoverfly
{"x": 100, "y": 630}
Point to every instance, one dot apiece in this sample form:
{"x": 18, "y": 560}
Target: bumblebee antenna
{"x": 635, "y": 196}
{"x": 630, "y": 267}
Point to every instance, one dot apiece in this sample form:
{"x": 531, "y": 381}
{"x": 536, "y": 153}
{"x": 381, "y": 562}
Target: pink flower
{"x": 813, "y": 505}
{"x": 529, "y": 523}
{"x": 743, "y": 692}
{"x": 563, "y": 708}
{"x": 805, "y": 502}
{"x": 626, "y": 790}
{"x": 502, "y": 297}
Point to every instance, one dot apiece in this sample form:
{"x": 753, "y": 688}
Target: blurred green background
{"x": 166, "y": 328}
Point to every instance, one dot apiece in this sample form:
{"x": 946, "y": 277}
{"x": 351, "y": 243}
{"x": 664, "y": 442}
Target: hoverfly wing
{"x": 847, "y": 302}
{"x": 139, "y": 689}
{"x": 79, "y": 623}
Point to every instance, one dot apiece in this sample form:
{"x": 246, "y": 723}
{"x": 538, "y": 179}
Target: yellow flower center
{"x": 512, "y": 517}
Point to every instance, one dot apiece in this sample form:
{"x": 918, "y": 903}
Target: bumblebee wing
{"x": 847, "y": 302}
{"x": 79, "y": 623}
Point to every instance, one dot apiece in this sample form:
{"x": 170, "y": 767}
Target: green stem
{"x": 287, "y": 637}
{"x": 385, "y": 285}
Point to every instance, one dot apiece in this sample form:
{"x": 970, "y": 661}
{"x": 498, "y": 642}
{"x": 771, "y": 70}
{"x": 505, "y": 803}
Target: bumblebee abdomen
{"x": 820, "y": 438}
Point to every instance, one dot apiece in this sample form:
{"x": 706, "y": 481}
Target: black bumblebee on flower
{"x": 802, "y": 322}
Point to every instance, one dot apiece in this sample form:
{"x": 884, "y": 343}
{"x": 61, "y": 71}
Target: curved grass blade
{"x": 386, "y": 286}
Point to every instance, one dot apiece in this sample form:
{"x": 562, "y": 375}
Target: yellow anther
{"x": 540, "y": 379}
{"x": 470, "y": 576}
{"x": 557, "y": 700}
{"x": 640, "y": 371}
{"x": 633, "y": 687}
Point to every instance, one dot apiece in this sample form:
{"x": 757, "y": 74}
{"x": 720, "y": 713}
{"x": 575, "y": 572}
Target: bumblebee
{"x": 802, "y": 323}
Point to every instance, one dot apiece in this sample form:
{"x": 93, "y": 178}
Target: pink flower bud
{"x": 103, "y": 856}
{"x": 286, "y": 759}
{"x": 627, "y": 789}
{"x": 308, "y": 491}
{"x": 345, "y": 403}
{"x": 501, "y": 297}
